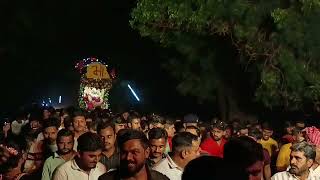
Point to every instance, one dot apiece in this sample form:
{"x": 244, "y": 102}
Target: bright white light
{"x": 49, "y": 100}
{"x": 60, "y": 98}
{"x": 135, "y": 95}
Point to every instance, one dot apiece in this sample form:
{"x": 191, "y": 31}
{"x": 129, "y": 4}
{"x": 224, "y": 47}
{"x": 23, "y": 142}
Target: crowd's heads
{"x": 169, "y": 126}
{"x": 89, "y": 148}
{"x": 267, "y": 131}
{"x": 257, "y": 125}
{"x": 134, "y": 151}
{"x": 92, "y": 126}
{"x": 156, "y": 121}
{"x": 243, "y": 130}
{"x": 218, "y": 129}
{"x": 134, "y": 121}
{"x": 125, "y": 115}
{"x": 48, "y": 112}
{"x": 193, "y": 130}
{"x": 298, "y": 135}
{"x": 144, "y": 126}
{"x": 186, "y": 146}
{"x": 288, "y": 127}
{"x": 301, "y": 158}
{"x": 34, "y": 122}
{"x": 65, "y": 141}
{"x": 190, "y": 120}
{"x": 119, "y": 123}
{"x": 50, "y": 129}
{"x": 108, "y": 135}
{"x": 245, "y": 154}
{"x": 89, "y": 142}
{"x": 300, "y": 124}
{"x": 255, "y": 133}
{"x": 228, "y": 132}
{"x": 157, "y": 140}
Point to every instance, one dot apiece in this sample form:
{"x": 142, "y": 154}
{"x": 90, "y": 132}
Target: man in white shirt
{"x": 301, "y": 159}
{"x": 85, "y": 165}
{"x": 17, "y": 125}
{"x": 185, "y": 147}
{"x": 79, "y": 125}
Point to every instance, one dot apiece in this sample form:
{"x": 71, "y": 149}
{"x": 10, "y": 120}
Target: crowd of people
{"x": 71, "y": 144}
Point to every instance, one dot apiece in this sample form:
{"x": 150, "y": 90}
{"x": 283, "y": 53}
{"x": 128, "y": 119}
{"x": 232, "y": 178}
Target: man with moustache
{"x": 283, "y": 159}
{"x": 110, "y": 155}
{"x": 65, "y": 153}
{"x": 158, "y": 142}
{"x": 134, "y": 121}
{"x": 50, "y": 131}
{"x": 79, "y": 125}
{"x": 302, "y": 158}
{"x": 185, "y": 148}
{"x": 214, "y": 144}
{"x": 134, "y": 151}
{"x": 85, "y": 164}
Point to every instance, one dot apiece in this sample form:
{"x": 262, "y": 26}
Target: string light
{"x": 85, "y": 62}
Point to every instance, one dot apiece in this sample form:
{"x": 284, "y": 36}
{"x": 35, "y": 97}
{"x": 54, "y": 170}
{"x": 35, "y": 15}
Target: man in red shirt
{"x": 214, "y": 144}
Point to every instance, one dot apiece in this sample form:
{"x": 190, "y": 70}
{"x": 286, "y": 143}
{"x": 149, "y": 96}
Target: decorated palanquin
{"x": 95, "y": 84}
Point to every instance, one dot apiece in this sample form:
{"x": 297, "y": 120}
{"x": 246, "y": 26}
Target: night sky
{"x": 41, "y": 41}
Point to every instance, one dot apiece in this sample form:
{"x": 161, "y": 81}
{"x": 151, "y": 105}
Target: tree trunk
{"x": 223, "y": 108}
{"x": 228, "y": 105}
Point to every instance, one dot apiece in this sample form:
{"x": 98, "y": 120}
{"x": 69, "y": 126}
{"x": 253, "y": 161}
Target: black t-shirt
{"x": 116, "y": 175}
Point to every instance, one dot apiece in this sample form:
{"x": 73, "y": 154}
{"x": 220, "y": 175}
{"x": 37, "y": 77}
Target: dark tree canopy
{"x": 269, "y": 49}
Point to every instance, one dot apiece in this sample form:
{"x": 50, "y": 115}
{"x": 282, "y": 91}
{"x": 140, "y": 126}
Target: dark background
{"x": 41, "y": 41}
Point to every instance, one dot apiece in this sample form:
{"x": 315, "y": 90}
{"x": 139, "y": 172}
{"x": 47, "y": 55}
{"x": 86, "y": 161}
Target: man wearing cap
{"x": 214, "y": 144}
{"x": 190, "y": 120}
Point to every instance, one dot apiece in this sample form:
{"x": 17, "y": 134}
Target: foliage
{"x": 276, "y": 42}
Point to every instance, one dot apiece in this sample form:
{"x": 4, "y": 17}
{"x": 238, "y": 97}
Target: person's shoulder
{"x": 162, "y": 162}
{"x": 272, "y": 140}
{"x": 207, "y": 141}
{"x": 15, "y": 122}
{"x": 110, "y": 175}
{"x": 62, "y": 170}
{"x": 279, "y": 174}
{"x": 48, "y": 160}
{"x": 101, "y": 167}
{"x": 155, "y": 175}
{"x": 64, "y": 166}
{"x": 162, "y": 166}
{"x": 288, "y": 145}
{"x": 25, "y": 176}
{"x": 316, "y": 172}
